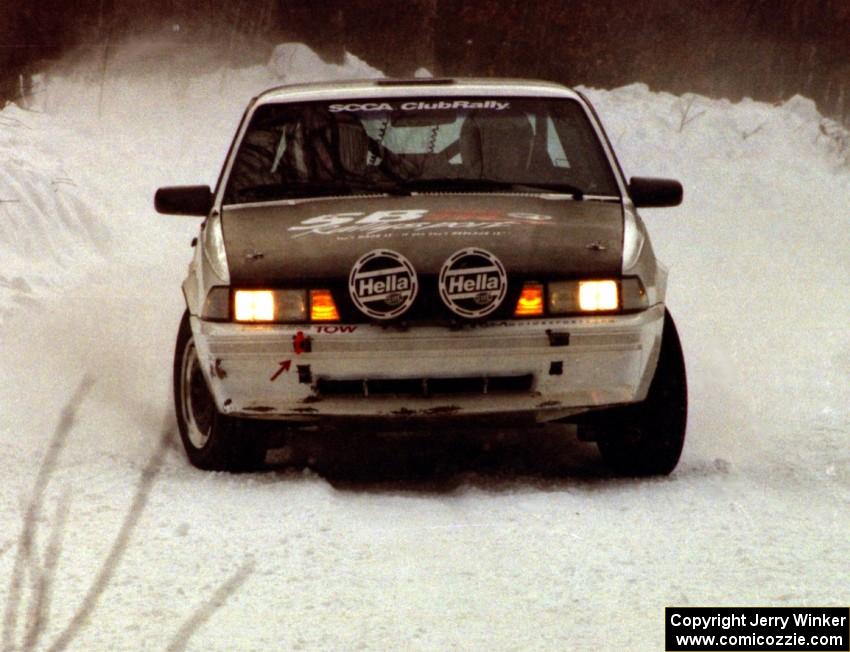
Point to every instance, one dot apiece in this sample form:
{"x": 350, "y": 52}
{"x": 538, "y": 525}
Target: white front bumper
{"x": 254, "y": 371}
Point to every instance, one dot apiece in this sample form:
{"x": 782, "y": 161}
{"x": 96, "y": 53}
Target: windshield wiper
{"x": 300, "y": 189}
{"x": 564, "y": 188}
{"x": 463, "y": 184}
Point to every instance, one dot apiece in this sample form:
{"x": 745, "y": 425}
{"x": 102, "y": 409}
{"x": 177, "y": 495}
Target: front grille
{"x": 425, "y": 387}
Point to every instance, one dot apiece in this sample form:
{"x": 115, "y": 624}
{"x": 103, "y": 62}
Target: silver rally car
{"x": 400, "y": 253}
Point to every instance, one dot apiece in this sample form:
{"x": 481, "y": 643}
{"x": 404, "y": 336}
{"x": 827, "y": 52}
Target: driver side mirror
{"x": 647, "y": 192}
{"x": 184, "y": 200}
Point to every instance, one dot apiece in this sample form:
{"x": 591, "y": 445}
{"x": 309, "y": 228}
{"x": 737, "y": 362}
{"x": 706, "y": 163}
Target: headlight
{"x": 598, "y": 295}
{"x": 602, "y": 295}
{"x": 254, "y": 305}
{"x": 270, "y": 305}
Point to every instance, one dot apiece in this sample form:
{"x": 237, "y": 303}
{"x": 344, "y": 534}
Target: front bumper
{"x": 540, "y": 369}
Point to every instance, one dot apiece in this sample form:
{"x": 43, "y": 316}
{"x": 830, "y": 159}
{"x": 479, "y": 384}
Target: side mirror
{"x": 184, "y": 200}
{"x": 655, "y": 193}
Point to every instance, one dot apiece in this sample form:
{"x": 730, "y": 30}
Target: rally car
{"x": 412, "y": 252}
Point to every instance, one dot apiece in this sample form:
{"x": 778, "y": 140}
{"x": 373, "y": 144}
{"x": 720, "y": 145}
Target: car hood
{"x": 543, "y": 236}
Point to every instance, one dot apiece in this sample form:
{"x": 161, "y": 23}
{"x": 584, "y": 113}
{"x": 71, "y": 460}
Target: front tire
{"x": 647, "y": 438}
{"x": 213, "y": 441}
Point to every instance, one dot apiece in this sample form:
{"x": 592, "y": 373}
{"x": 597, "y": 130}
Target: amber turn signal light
{"x": 530, "y": 303}
{"x": 322, "y": 306}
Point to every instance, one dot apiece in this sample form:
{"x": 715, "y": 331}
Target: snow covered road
{"x": 519, "y": 541}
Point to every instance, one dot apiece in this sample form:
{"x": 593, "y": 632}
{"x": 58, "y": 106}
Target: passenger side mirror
{"x": 647, "y": 192}
{"x": 184, "y": 200}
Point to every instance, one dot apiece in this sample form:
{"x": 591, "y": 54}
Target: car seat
{"x": 497, "y": 145}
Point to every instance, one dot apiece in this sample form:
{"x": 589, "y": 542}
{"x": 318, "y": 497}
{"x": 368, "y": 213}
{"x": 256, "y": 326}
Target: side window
{"x": 554, "y": 147}
{"x": 255, "y": 163}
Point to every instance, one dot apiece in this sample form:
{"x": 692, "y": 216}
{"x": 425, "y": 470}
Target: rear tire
{"x": 213, "y": 441}
{"x": 647, "y": 438}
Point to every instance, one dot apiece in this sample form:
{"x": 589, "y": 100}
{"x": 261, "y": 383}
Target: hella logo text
{"x": 382, "y": 284}
{"x": 461, "y": 284}
{"x": 367, "y": 287}
{"x": 473, "y": 283}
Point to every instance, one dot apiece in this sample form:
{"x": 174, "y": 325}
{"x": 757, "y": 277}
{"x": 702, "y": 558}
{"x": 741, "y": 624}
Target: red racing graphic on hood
{"x": 415, "y": 220}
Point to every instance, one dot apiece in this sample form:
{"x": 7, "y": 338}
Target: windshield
{"x": 408, "y": 145}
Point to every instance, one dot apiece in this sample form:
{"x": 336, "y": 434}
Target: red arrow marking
{"x": 284, "y": 366}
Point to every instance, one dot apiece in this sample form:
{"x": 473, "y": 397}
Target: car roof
{"x": 432, "y": 87}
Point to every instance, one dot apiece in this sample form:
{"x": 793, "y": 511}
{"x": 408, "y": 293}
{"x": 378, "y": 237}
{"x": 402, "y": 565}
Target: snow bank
{"x": 178, "y": 117}
{"x": 81, "y": 169}
{"x": 49, "y": 227}
{"x": 759, "y": 255}
{"x": 294, "y": 62}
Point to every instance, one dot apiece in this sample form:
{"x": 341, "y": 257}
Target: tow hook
{"x": 301, "y": 343}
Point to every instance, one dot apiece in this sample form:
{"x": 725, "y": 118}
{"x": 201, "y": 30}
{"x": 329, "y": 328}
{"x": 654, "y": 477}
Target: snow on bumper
{"x": 544, "y": 369}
